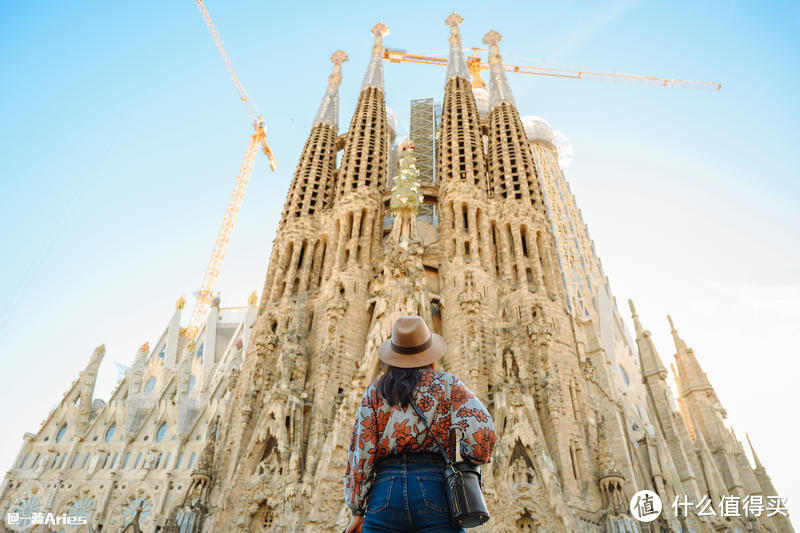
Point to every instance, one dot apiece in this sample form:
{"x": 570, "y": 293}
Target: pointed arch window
{"x": 162, "y": 430}
{"x": 624, "y": 375}
{"x": 110, "y": 432}
{"x": 150, "y": 385}
{"x": 61, "y": 433}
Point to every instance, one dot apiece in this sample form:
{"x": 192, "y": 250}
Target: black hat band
{"x": 411, "y": 350}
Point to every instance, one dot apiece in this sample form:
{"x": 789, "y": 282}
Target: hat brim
{"x": 433, "y": 353}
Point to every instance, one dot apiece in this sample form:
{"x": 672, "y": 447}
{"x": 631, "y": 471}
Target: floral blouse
{"x": 381, "y": 430}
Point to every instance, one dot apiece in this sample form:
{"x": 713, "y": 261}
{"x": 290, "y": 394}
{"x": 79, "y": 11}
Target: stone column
{"x": 163, "y": 499}
{"x": 101, "y": 507}
{"x": 505, "y": 247}
{"x": 473, "y": 234}
{"x": 519, "y": 255}
{"x": 305, "y": 271}
{"x": 292, "y": 272}
{"x": 533, "y": 258}
{"x": 459, "y": 230}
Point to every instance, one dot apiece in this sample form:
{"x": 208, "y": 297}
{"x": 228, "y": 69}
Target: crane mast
{"x": 257, "y": 140}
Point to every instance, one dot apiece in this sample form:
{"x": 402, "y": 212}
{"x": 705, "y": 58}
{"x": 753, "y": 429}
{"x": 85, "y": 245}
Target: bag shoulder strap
{"x": 425, "y": 421}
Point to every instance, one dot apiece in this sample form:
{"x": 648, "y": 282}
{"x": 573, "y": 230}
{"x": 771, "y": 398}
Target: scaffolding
{"x": 422, "y": 132}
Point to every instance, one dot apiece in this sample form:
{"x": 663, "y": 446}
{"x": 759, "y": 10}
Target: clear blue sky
{"x": 121, "y": 137}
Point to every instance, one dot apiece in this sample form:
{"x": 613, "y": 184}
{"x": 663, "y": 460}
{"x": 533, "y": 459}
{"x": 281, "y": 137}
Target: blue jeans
{"x": 408, "y": 498}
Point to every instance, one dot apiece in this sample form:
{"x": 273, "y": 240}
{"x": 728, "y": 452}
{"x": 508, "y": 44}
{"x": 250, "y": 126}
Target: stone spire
{"x": 87, "y": 379}
{"x": 313, "y": 182}
{"x": 499, "y": 88}
{"x": 366, "y": 149}
{"x": 460, "y": 157}
{"x": 690, "y": 375}
{"x": 456, "y": 64}
{"x": 753, "y": 451}
{"x": 512, "y": 171}
{"x": 329, "y": 108}
{"x": 374, "y": 75}
{"x": 660, "y": 398}
{"x": 648, "y": 356}
{"x": 713, "y": 479}
{"x": 137, "y": 370}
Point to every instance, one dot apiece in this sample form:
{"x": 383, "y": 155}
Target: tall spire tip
{"x": 454, "y": 19}
{"x": 339, "y": 57}
{"x": 492, "y": 38}
{"x": 671, "y": 325}
{"x": 380, "y": 30}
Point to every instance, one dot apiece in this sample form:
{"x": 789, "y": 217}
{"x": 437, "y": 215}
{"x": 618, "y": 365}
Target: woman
{"x": 393, "y": 481}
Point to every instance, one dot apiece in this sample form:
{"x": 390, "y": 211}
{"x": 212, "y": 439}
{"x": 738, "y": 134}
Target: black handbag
{"x": 462, "y": 487}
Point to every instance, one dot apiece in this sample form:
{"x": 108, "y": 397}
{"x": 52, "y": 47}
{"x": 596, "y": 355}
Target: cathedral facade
{"x": 246, "y": 427}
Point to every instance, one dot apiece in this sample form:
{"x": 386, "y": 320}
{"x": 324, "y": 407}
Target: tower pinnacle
{"x": 690, "y": 375}
{"x": 753, "y": 451}
{"x": 679, "y": 344}
{"x": 456, "y": 64}
{"x": 374, "y": 75}
{"x": 648, "y": 356}
{"x": 636, "y": 324}
{"x": 499, "y": 88}
{"x": 329, "y": 108}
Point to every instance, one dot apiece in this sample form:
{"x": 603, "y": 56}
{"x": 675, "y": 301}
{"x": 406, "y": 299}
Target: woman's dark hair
{"x": 397, "y": 384}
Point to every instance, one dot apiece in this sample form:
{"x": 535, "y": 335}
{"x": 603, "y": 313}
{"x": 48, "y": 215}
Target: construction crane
{"x": 475, "y": 65}
{"x": 257, "y": 139}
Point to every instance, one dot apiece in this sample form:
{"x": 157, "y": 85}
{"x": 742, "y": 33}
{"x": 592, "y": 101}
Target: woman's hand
{"x": 355, "y": 524}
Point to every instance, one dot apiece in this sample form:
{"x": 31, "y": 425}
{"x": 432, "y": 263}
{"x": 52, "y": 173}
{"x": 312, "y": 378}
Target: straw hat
{"x": 412, "y": 344}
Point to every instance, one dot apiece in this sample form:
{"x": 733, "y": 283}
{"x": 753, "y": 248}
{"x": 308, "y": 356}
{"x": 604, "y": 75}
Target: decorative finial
{"x": 191, "y": 346}
{"x": 144, "y": 348}
{"x": 492, "y": 38}
{"x": 252, "y": 300}
{"x": 339, "y": 57}
{"x": 379, "y": 30}
{"x": 671, "y": 325}
{"x": 215, "y": 301}
{"x": 180, "y": 303}
{"x": 454, "y": 19}
{"x": 633, "y": 309}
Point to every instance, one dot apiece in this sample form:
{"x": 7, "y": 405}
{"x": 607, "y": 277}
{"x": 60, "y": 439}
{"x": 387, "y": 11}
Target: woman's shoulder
{"x": 444, "y": 377}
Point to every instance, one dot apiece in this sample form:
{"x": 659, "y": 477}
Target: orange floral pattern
{"x": 381, "y": 430}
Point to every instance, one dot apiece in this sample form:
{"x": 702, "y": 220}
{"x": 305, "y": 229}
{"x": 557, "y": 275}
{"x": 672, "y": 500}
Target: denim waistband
{"x": 414, "y": 458}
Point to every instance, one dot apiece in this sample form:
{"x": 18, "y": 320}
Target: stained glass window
{"x": 162, "y": 430}
{"x": 110, "y": 432}
{"x": 140, "y": 505}
{"x": 150, "y": 385}
{"x": 82, "y": 508}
